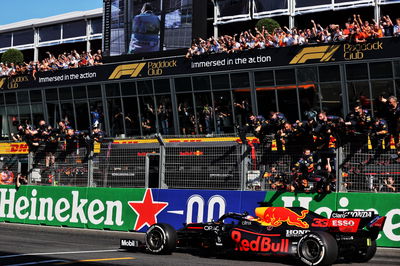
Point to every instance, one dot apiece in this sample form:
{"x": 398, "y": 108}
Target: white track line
{"x": 36, "y": 262}
{"x": 57, "y": 253}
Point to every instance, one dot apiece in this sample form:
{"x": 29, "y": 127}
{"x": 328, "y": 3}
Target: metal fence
{"x": 203, "y": 163}
{"x": 368, "y": 168}
{"x": 59, "y": 166}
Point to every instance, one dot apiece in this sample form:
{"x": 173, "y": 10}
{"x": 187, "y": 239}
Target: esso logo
{"x": 343, "y": 223}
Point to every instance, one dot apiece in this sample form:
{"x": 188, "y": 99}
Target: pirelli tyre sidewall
{"x": 317, "y": 248}
{"x": 161, "y": 239}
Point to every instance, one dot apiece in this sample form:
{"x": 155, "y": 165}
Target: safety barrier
{"x": 135, "y": 209}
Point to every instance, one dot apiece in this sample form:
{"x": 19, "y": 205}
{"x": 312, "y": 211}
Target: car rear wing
{"x": 352, "y": 221}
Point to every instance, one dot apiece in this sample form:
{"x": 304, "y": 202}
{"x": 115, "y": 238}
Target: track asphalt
{"x": 44, "y": 245}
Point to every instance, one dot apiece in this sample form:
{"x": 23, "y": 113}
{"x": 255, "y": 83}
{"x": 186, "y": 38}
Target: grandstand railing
{"x": 199, "y": 163}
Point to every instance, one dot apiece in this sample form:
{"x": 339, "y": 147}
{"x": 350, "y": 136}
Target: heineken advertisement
{"x": 133, "y": 209}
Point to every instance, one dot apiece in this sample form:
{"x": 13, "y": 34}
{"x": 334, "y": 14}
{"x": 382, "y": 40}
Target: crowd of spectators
{"x": 53, "y": 62}
{"x": 44, "y": 141}
{"x": 355, "y": 30}
{"x": 319, "y": 135}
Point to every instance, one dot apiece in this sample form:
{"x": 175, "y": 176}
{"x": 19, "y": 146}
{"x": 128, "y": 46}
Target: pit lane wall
{"x": 135, "y": 209}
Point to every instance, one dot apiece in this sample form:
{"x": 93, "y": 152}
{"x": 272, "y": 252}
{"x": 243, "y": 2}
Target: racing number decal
{"x": 319, "y": 222}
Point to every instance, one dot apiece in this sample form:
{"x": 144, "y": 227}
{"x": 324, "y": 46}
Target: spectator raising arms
{"x": 52, "y": 63}
{"x": 356, "y": 30}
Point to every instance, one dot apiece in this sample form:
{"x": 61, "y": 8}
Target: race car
{"x": 295, "y": 231}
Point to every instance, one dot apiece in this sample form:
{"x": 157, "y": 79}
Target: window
{"x": 329, "y": 73}
{"x": 380, "y": 70}
{"x": 115, "y": 117}
{"x": 131, "y": 116}
{"x": 306, "y": 75}
{"x": 311, "y": 3}
{"x": 359, "y": 94}
{"x": 23, "y": 97}
{"x": 23, "y": 37}
{"x": 50, "y": 33}
{"x": 356, "y": 71}
{"x": 53, "y": 112}
{"x": 145, "y": 87}
{"x": 201, "y": 83}
{"x": 94, "y": 91}
{"x": 285, "y": 76}
{"x": 242, "y": 106}
{"x": 79, "y": 92}
{"x": 381, "y": 88}
{"x": 220, "y": 82}
{"x": 186, "y": 113}
{"x": 264, "y": 78}
{"x": 128, "y": 88}
{"x": 148, "y": 119}
{"x": 96, "y": 26}
{"x": 331, "y": 98}
{"x": 205, "y": 113}
{"x": 308, "y": 96}
{"x": 65, "y": 93}
{"x": 67, "y": 113}
{"x": 51, "y": 95}
{"x": 161, "y": 86}
{"x": 164, "y": 114}
{"x": 112, "y": 90}
{"x": 10, "y": 98}
{"x": 82, "y": 116}
{"x": 74, "y": 29}
{"x": 5, "y": 40}
{"x": 183, "y": 84}
{"x": 36, "y": 96}
{"x": 288, "y": 105}
{"x": 240, "y": 80}
{"x": 266, "y": 101}
{"x": 223, "y": 112}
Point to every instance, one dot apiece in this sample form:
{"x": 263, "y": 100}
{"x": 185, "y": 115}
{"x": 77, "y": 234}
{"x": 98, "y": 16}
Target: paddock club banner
{"x": 135, "y": 209}
{"x": 294, "y": 55}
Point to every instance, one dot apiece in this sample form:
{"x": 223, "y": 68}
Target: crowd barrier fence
{"x": 224, "y": 163}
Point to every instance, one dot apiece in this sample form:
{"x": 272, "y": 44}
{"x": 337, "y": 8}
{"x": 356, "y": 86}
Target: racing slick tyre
{"x": 161, "y": 239}
{"x": 364, "y": 255}
{"x": 317, "y": 248}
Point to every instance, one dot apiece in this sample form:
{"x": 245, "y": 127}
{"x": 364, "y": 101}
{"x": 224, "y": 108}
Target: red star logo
{"x": 146, "y": 210}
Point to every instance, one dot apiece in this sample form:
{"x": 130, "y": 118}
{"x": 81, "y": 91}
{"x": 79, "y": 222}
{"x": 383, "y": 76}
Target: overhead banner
{"x": 270, "y": 57}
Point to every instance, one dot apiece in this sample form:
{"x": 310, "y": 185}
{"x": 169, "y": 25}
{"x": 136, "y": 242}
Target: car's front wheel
{"x": 161, "y": 239}
{"x": 317, "y": 248}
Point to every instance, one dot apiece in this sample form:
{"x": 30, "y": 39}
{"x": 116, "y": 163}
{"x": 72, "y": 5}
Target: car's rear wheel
{"x": 317, "y": 248}
{"x": 365, "y": 254}
{"x": 161, "y": 239}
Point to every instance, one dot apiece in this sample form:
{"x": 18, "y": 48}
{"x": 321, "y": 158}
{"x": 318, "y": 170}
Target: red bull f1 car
{"x": 312, "y": 238}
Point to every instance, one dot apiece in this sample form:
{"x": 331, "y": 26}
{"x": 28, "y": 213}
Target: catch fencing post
{"x": 30, "y": 167}
{"x": 243, "y": 166}
{"x": 162, "y": 161}
{"x": 339, "y": 171}
{"x": 90, "y": 169}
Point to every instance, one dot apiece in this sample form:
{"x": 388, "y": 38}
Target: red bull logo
{"x": 275, "y": 216}
{"x": 261, "y": 243}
